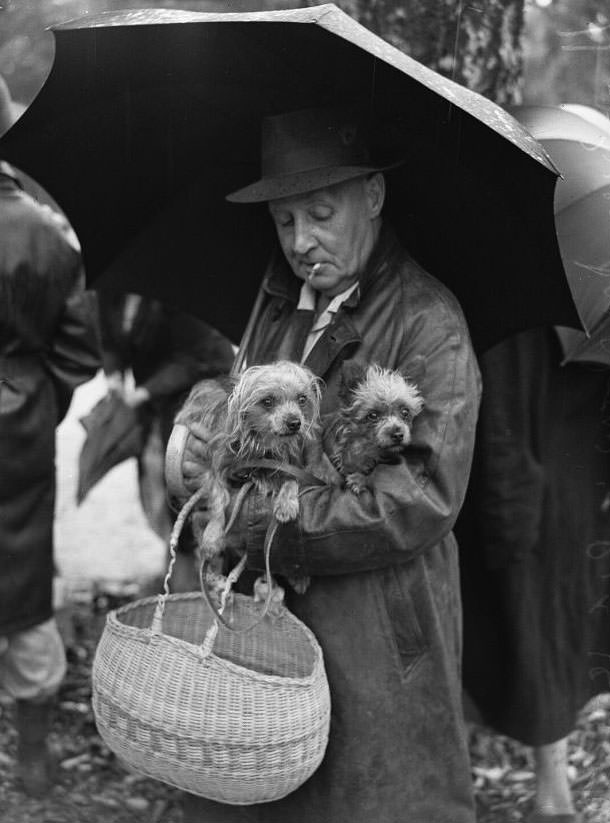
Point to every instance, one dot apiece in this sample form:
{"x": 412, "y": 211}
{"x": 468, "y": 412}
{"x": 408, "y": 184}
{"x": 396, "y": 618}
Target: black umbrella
{"x": 149, "y": 118}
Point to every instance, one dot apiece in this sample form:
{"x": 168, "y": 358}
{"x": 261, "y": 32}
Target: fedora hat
{"x": 307, "y": 150}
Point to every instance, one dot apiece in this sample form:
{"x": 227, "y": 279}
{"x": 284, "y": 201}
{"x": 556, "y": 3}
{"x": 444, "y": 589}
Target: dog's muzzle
{"x": 292, "y": 425}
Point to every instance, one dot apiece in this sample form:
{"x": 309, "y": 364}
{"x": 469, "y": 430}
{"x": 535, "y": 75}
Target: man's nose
{"x": 303, "y": 240}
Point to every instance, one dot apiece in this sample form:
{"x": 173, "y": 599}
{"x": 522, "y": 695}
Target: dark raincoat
{"x": 384, "y": 601}
{"x": 535, "y": 540}
{"x": 48, "y": 347}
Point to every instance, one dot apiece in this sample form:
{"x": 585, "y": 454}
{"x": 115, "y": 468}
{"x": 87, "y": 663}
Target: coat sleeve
{"x": 74, "y": 354}
{"x": 195, "y": 351}
{"x": 410, "y": 506}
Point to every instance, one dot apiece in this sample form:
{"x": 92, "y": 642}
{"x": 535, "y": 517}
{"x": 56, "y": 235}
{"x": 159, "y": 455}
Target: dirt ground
{"x": 106, "y": 554}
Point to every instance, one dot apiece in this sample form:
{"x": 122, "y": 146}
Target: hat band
{"x": 303, "y": 159}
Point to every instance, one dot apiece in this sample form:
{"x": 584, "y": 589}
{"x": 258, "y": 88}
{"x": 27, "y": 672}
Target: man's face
{"x": 335, "y": 227}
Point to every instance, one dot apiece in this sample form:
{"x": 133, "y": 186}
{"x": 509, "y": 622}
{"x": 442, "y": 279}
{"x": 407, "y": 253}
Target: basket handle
{"x": 185, "y": 511}
{"x": 232, "y": 577}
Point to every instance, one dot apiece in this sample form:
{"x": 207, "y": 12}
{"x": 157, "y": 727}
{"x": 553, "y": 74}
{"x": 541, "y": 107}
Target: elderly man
{"x": 384, "y": 599}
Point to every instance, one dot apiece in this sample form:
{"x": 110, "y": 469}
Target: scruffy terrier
{"x": 271, "y": 413}
{"x": 374, "y": 423}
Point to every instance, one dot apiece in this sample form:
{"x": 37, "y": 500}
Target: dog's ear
{"x": 317, "y": 389}
{"x": 352, "y": 373}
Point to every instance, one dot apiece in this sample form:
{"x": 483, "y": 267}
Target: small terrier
{"x": 272, "y": 413}
{"x": 374, "y": 424}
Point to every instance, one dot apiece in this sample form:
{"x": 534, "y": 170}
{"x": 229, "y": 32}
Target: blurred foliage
{"x": 567, "y": 53}
{"x": 566, "y": 43}
{"x": 478, "y": 44}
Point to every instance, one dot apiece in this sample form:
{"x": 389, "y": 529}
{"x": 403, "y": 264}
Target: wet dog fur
{"x": 272, "y": 412}
{"x": 374, "y": 423}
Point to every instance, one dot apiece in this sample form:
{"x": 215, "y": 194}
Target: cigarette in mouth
{"x": 314, "y": 270}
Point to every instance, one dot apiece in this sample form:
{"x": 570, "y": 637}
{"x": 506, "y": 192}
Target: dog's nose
{"x": 293, "y": 424}
{"x": 397, "y": 436}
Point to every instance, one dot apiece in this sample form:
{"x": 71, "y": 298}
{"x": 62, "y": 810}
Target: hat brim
{"x": 275, "y": 188}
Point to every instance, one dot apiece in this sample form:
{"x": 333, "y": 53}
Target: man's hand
{"x": 115, "y": 384}
{"x": 196, "y": 457}
{"x": 137, "y": 397}
{"x": 188, "y": 467}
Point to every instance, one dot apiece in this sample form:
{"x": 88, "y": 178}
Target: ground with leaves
{"x": 504, "y": 777}
{"x": 93, "y": 786}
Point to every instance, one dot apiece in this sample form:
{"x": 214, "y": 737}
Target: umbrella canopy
{"x": 149, "y": 118}
{"x": 578, "y": 140}
{"x": 115, "y": 432}
{"x": 587, "y": 113}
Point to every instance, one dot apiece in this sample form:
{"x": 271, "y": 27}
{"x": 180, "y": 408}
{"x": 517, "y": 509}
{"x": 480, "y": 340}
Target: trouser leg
{"x": 32, "y": 667}
{"x": 553, "y": 794}
{"x": 35, "y": 767}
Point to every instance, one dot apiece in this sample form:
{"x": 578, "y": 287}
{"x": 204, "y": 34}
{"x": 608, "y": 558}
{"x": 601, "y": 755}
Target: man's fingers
{"x": 196, "y": 449}
{"x": 192, "y": 468}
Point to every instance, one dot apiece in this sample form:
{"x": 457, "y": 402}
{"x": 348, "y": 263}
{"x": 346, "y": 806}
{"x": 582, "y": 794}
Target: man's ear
{"x": 375, "y": 190}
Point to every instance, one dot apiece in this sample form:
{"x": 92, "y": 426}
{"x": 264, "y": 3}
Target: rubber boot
{"x": 34, "y": 761}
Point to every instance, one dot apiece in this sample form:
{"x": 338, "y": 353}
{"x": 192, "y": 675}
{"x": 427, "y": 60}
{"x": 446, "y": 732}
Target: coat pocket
{"x": 404, "y": 628}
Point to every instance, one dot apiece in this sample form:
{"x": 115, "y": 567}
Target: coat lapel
{"x": 334, "y": 340}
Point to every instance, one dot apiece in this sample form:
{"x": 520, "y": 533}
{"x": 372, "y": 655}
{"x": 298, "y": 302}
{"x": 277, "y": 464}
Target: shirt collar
{"x": 307, "y": 298}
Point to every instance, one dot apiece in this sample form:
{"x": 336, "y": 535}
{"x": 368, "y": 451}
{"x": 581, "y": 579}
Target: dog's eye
{"x": 302, "y": 399}
{"x": 405, "y": 414}
{"x": 267, "y": 402}
{"x": 372, "y": 416}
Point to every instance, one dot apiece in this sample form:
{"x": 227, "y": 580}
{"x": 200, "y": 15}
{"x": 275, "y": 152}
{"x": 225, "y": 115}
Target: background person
{"x": 166, "y": 351}
{"x": 535, "y": 536}
{"x": 47, "y": 348}
{"x": 384, "y": 600}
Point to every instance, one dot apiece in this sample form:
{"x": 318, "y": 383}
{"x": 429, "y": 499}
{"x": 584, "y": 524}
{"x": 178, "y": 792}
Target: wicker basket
{"x": 236, "y": 716}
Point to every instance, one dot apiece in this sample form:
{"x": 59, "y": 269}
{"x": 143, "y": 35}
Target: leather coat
{"x": 384, "y": 600}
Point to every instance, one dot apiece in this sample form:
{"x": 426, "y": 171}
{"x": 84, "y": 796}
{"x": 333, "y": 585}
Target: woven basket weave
{"x": 237, "y": 717}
